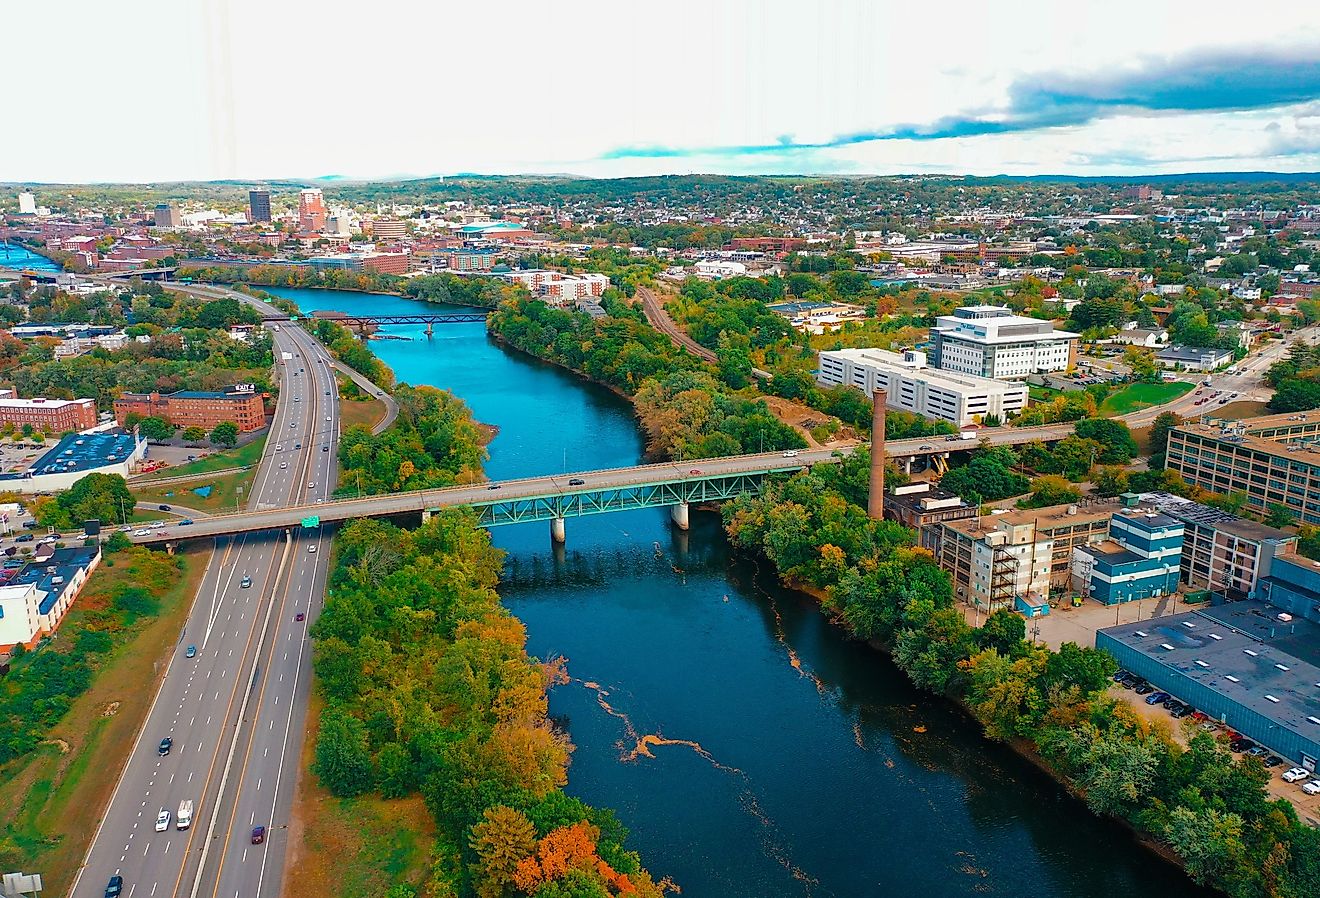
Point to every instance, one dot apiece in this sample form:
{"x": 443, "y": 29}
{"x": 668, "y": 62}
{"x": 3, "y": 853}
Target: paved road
{"x": 1248, "y": 383}
{"x": 484, "y": 494}
{"x": 252, "y": 667}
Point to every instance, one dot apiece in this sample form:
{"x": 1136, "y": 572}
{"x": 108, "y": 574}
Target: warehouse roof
{"x": 1245, "y": 652}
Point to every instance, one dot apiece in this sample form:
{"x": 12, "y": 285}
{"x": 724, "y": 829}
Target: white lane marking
{"x": 167, "y": 850}
{"x": 190, "y": 776}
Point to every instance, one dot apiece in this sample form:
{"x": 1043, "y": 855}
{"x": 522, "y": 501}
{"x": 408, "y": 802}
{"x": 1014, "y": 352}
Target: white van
{"x": 183, "y": 819}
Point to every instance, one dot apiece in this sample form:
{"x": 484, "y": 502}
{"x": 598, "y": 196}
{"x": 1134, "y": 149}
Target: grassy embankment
{"x": 390, "y": 841}
{"x": 51, "y": 799}
{"x": 224, "y": 487}
{"x": 1135, "y": 397}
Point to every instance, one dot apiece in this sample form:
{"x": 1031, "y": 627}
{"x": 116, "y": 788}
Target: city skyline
{"x": 234, "y": 89}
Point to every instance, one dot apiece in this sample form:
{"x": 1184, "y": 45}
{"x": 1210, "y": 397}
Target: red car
{"x": 695, "y": 471}
{"x": 258, "y": 835}
{"x": 300, "y": 616}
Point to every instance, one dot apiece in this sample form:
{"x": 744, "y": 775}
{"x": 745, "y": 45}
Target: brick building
{"x": 240, "y": 404}
{"x": 50, "y": 415}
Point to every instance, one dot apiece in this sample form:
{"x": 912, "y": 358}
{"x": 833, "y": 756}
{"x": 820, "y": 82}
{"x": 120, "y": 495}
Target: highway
{"x": 559, "y": 484}
{"x": 236, "y": 711}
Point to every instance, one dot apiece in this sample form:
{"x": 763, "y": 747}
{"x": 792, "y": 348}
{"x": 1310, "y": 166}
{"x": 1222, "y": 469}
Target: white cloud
{"x": 161, "y": 89}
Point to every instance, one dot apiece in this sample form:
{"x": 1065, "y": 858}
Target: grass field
{"x": 221, "y": 498}
{"x": 352, "y": 846}
{"x": 1242, "y": 409}
{"x": 367, "y": 412}
{"x": 51, "y": 799}
{"x": 219, "y": 461}
{"x": 1138, "y": 396}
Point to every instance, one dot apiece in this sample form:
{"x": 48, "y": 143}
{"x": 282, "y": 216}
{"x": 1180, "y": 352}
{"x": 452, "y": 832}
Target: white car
{"x": 141, "y": 532}
{"x": 1295, "y": 775}
{"x": 163, "y": 820}
{"x": 279, "y": 447}
{"x": 311, "y": 548}
{"x": 283, "y": 465}
{"x": 790, "y": 453}
{"x": 1312, "y": 788}
{"x": 312, "y": 485}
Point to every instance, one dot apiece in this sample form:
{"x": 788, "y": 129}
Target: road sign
{"x": 313, "y": 521}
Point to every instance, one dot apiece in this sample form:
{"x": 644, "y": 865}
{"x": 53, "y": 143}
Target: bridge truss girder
{"x": 647, "y": 495}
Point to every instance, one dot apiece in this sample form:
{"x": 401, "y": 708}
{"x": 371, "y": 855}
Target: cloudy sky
{"x": 153, "y": 90}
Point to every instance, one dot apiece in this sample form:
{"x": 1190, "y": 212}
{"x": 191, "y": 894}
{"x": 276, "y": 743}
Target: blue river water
{"x": 14, "y": 255}
{"x": 752, "y": 749}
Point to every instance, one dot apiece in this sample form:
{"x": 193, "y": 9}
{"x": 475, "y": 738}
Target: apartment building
{"x": 557, "y": 288}
{"x": 1272, "y": 460}
{"x": 241, "y": 404}
{"x": 910, "y": 385}
{"x": 49, "y": 415}
{"x": 991, "y": 341}
{"x": 258, "y": 205}
{"x": 35, "y": 600}
{"x": 1140, "y": 560}
{"x": 1221, "y": 551}
{"x": 1027, "y": 553}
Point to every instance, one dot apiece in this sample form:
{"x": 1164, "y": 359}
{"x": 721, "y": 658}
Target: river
{"x": 752, "y": 750}
{"x": 17, "y": 256}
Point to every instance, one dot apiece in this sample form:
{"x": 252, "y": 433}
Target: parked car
{"x": 1156, "y": 698}
{"x": 1312, "y": 788}
{"x": 1241, "y": 745}
{"x": 1256, "y": 751}
{"x": 1180, "y": 712}
{"x": 1295, "y": 774}
{"x": 1170, "y": 702}
{"x": 1273, "y": 761}
{"x": 1142, "y": 688}
{"x": 1121, "y": 675}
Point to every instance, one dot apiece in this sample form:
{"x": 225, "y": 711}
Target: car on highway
{"x": 191, "y": 652}
{"x": 258, "y": 835}
{"x": 245, "y": 582}
{"x": 926, "y": 446}
{"x": 163, "y": 820}
{"x": 1312, "y": 788}
{"x": 293, "y": 423}
{"x": 1295, "y": 774}
{"x": 790, "y": 453}
{"x": 576, "y": 481}
{"x": 300, "y": 617}
{"x": 493, "y": 486}
{"x": 695, "y": 471}
{"x": 141, "y": 532}
{"x": 186, "y": 522}
{"x": 165, "y": 745}
{"x": 327, "y": 392}
{"x": 325, "y": 448}
{"x": 279, "y": 447}
{"x": 164, "y": 507}
{"x": 297, "y": 445}
{"x": 297, "y": 399}
{"x": 311, "y": 548}
{"x": 283, "y": 465}
{"x": 327, "y": 417}
{"x": 115, "y": 887}
{"x": 28, "y": 537}
{"x": 311, "y": 484}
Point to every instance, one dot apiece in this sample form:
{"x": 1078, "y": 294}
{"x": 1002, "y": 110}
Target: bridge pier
{"x": 557, "y": 530}
{"x": 430, "y": 328}
{"x": 169, "y": 548}
{"x": 679, "y": 515}
{"x": 906, "y": 462}
{"x": 426, "y": 515}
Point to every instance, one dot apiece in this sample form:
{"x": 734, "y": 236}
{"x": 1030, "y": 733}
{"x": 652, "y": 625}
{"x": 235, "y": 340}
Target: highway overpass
{"x": 558, "y": 496}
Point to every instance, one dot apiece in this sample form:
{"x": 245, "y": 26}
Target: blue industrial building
{"x": 1294, "y": 586}
{"x": 1140, "y": 560}
{"x": 1247, "y": 664}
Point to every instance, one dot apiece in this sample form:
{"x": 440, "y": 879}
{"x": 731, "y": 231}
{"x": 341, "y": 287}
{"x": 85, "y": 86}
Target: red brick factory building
{"x": 241, "y": 404}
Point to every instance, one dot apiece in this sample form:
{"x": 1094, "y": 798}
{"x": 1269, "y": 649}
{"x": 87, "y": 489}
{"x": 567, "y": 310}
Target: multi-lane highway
{"x": 235, "y": 711}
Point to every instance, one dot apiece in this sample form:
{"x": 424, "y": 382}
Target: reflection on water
{"x": 751, "y": 748}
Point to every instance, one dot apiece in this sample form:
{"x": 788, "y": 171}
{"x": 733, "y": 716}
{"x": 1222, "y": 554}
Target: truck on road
{"x": 183, "y": 819}
{"x": 965, "y": 436}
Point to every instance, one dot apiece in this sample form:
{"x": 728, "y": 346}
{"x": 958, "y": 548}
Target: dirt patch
{"x": 803, "y": 418}
{"x": 58, "y": 743}
{"x": 111, "y": 710}
{"x": 1242, "y": 410}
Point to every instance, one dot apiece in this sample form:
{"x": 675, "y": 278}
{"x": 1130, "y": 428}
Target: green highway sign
{"x": 313, "y": 521}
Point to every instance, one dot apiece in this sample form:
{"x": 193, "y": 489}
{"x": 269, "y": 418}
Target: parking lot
{"x": 16, "y": 457}
{"x": 1182, "y": 730}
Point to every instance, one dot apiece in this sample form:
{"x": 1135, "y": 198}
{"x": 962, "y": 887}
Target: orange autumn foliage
{"x": 564, "y": 849}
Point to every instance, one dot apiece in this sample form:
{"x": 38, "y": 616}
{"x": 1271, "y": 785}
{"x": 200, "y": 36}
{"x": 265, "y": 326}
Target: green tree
{"x": 1279, "y": 515}
{"x": 1051, "y": 489}
{"x": 1118, "y": 445}
{"x": 157, "y": 429}
{"x": 194, "y": 434}
{"x": 503, "y": 838}
{"x": 1003, "y": 631}
{"x": 1210, "y": 842}
{"x": 342, "y": 762}
{"x": 1159, "y": 436}
{"x": 225, "y": 434}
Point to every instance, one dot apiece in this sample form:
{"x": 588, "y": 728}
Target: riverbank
{"x": 752, "y": 749}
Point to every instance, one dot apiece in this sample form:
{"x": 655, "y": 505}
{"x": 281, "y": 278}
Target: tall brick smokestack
{"x": 875, "y": 501}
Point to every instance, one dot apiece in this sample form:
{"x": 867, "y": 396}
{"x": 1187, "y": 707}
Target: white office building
{"x": 990, "y": 341}
{"x": 911, "y": 386}
{"x": 27, "y": 203}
